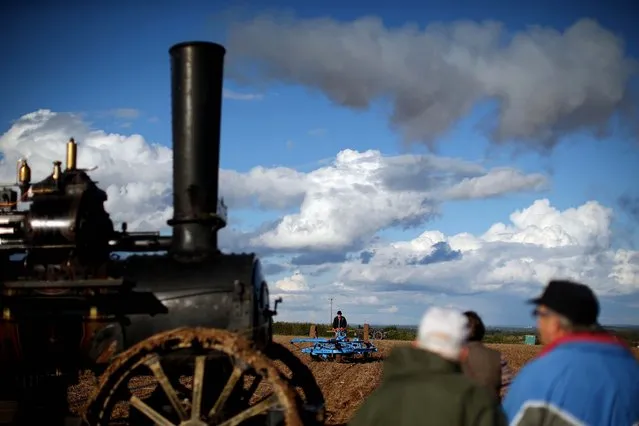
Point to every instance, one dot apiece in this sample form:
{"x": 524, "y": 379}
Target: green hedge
{"x": 397, "y": 333}
{"x": 630, "y": 335}
{"x": 505, "y": 337}
{"x": 324, "y": 330}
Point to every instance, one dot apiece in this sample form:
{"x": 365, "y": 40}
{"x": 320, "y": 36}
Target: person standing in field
{"x": 423, "y": 383}
{"x": 484, "y": 365}
{"x": 339, "y": 322}
{"x": 583, "y": 376}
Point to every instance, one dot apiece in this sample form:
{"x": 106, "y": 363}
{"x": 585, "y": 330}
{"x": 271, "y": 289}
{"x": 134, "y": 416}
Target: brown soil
{"x": 346, "y": 385}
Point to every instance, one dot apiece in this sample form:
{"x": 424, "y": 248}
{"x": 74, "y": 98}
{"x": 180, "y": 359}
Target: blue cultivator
{"x": 336, "y": 348}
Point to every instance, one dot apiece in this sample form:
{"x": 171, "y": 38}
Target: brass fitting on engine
{"x": 93, "y": 312}
{"x": 24, "y": 173}
{"x": 57, "y": 171}
{"x": 72, "y": 154}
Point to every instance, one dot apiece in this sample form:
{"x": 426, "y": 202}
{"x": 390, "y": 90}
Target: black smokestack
{"x": 197, "y": 71}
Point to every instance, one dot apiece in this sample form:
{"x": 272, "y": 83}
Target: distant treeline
{"x": 493, "y": 335}
{"x": 323, "y": 330}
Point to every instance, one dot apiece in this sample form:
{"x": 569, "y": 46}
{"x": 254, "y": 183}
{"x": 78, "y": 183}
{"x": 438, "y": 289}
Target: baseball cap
{"x": 575, "y": 301}
{"x": 443, "y": 331}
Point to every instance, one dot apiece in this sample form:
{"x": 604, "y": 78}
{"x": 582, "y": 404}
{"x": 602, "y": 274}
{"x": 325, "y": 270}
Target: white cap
{"x": 443, "y": 331}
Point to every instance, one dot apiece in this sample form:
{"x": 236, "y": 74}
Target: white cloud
{"x": 362, "y": 192}
{"x": 541, "y": 224}
{"x": 540, "y": 244}
{"x": 296, "y": 282}
{"x": 492, "y": 184}
{"x": 626, "y": 269}
{"x": 134, "y": 173}
{"x": 435, "y": 75}
{"x": 493, "y": 273}
{"x": 340, "y": 207}
{"x": 339, "y": 204}
{"x": 391, "y": 309}
{"x": 270, "y": 188}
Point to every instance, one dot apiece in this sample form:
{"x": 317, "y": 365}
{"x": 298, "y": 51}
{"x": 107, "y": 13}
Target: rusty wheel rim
{"x": 145, "y": 354}
{"x": 301, "y": 379}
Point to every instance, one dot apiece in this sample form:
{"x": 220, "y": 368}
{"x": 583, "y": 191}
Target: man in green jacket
{"x": 423, "y": 383}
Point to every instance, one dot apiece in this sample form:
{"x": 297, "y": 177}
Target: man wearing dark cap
{"x": 583, "y": 376}
{"x": 339, "y": 322}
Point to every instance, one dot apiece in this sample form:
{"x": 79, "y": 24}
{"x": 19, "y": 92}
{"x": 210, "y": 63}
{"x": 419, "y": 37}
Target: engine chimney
{"x": 197, "y": 71}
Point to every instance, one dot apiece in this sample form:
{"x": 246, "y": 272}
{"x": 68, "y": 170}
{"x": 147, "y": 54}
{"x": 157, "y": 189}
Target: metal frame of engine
{"x": 71, "y": 303}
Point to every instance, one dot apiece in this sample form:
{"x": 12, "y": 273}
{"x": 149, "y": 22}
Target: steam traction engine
{"x": 179, "y": 337}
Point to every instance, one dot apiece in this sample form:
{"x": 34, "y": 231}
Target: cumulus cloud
{"x": 541, "y": 224}
{"x": 493, "y": 273}
{"x": 134, "y": 173}
{"x": 277, "y": 188}
{"x": 326, "y": 240}
{"x": 546, "y": 83}
{"x": 360, "y": 193}
{"x": 540, "y": 243}
{"x": 492, "y": 184}
{"x": 340, "y": 204}
{"x": 296, "y": 282}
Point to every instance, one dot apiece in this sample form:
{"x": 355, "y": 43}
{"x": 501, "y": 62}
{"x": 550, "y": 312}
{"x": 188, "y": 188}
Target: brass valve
{"x": 57, "y": 171}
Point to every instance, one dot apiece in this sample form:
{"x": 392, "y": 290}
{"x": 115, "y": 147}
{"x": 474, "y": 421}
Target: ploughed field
{"x": 344, "y": 385}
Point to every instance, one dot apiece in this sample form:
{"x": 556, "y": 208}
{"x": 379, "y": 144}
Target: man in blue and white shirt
{"x": 583, "y": 376}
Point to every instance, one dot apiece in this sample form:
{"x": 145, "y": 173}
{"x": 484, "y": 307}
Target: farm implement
{"x": 337, "y": 348}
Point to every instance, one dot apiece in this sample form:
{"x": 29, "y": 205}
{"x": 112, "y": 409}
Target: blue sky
{"x": 96, "y": 58}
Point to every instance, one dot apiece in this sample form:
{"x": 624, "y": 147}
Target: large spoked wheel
{"x": 226, "y": 387}
{"x": 300, "y": 377}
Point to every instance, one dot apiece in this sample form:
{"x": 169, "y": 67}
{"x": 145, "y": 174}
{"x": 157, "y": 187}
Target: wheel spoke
{"x": 254, "y": 384}
{"x": 245, "y": 359}
{"x": 149, "y": 412}
{"x": 198, "y": 384}
{"x": 256, "y": 409}
{"x": 230, "y": 385}
{"x": 154, "y": 364}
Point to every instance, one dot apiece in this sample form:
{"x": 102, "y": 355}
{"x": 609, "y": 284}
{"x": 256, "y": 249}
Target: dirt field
{"x": 345, "y": 386}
